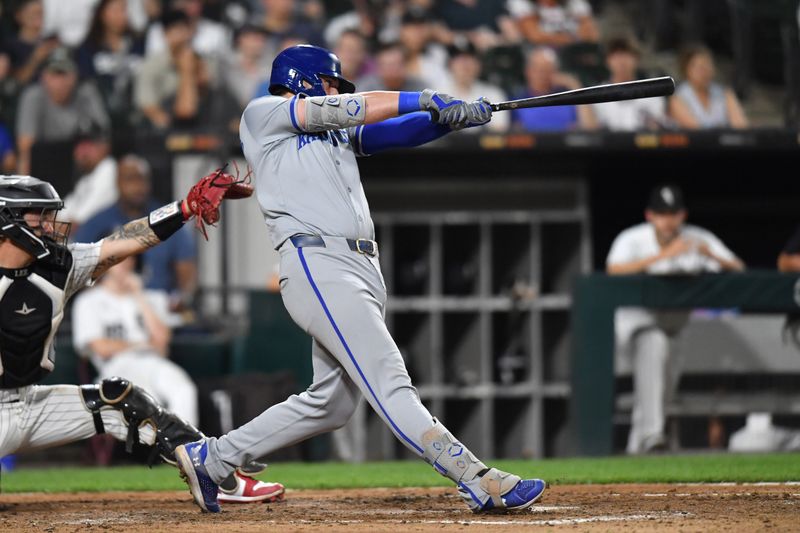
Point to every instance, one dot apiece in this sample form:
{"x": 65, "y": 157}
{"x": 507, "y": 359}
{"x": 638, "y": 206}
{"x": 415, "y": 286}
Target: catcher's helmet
{"x": 306, "y": 63}
{"x": 24, "y": 194}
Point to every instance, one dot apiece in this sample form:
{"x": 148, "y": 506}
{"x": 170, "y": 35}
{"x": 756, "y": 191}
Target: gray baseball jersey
{"x": 305, "y": 182}
{"x": 308, "y": 183}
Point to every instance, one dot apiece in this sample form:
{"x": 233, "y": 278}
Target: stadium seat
{"x": 504, "y": 66}
{"x": 756, "y": 33}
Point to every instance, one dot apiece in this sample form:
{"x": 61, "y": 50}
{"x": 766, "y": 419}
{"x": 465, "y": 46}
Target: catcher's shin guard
{"x": 138, "y": 408}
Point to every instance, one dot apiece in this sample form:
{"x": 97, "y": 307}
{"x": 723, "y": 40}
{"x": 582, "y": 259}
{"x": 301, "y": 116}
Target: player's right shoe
{"x": 500, "y": 491}
{"x": 190, "y": 458}
{"x": 250, "y": 490}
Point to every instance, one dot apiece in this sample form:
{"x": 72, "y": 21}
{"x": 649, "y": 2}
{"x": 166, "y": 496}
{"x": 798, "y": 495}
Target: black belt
{"x": 362, "y": 246}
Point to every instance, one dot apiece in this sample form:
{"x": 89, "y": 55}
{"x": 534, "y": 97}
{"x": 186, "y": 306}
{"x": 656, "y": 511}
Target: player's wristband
{"x": 408, "y": 102}
{"x": 166, "y": 220}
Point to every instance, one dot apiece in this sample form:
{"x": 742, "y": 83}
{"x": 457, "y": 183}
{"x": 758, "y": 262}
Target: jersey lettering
{"x": 332, "y": 137}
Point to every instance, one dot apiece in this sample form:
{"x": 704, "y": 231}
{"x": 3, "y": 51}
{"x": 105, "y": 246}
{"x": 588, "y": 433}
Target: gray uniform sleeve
{"x": 84, "y": 261}
{"x": 271, "y": 119}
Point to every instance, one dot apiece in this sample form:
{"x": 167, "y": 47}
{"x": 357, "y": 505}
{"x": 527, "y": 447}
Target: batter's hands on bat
{"x": 206, "y": 195}
{"x": 467, "y": 114}
{"x": 456, "y": 113}
{"x": 437, "y": 104}
{"x": 477, "y": 113}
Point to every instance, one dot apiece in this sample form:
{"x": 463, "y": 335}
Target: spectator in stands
{"x": 789, "y": 258}
{"x": 8, "y": 159}
{"x": 700, "y": 102}
{"x": 486, "y": 23}
{"x": 29, "y": 47}
{"x": 208, "y": 38}
{"x": 96, "y": 189}
{"x": 68, "y": 20}
{"x": 170, "y": 267}
{"x": 248, "y": 66}
{"x": 281, "y": 19}
{"x": 555, "y": 23}
{"x": 622, "y": 59}
{"x": 392, "y": 71}
{"x": 426, "y": 60}
{"x": 543, "y": 76}
{"x": 465, "y": 69}
{"x": 200, "y": 103}
{"x": 125, "y": 331}
{"x": 365, "y": 17}
{"x": 57, "y": 108}
{"x": 110, "y": 56}
{"x": 664, "y": 244}
{"x": 170, "y": 76}
{"x": 351, "y": 48}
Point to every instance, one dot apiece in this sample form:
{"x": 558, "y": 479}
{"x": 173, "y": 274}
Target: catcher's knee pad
{"x": 448, "y": 456}
{"x": 138, "y": 408}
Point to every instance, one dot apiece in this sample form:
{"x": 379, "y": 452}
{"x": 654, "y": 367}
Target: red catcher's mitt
{"x": 206, "y": 195}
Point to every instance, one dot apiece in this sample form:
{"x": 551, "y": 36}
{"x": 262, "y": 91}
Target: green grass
{"x": 660, "y": 469}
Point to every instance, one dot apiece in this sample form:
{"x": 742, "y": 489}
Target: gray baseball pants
{"x": 338, "y": 297}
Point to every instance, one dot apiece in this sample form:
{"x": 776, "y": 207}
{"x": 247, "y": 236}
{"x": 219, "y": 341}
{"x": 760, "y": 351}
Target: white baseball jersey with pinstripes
{"x": 42, "y": 416}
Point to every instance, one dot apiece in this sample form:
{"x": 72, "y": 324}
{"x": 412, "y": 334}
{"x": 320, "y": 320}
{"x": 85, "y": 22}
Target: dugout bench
{"x": 597, "y": 296}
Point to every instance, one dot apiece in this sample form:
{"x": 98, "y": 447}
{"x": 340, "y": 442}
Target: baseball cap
{"x": 666, "y": 198}
{"x": 60, "y": 60}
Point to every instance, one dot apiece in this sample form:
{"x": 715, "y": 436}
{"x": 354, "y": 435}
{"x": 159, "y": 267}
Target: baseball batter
{"x": 303, "y": 142}
{"x": 39, "y": 272}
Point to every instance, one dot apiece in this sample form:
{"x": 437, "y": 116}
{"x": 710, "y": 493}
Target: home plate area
{"x": 695, "y": 507}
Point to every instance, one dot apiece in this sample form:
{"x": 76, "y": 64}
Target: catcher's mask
{"x": 300, "y": 69}
{"x": 29, "y": 217}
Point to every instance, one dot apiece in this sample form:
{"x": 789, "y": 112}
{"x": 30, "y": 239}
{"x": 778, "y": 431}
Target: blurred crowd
{"x": 91, "y": 83}
{"x": 155, "y": 66}
{"x": 87, "y": 87}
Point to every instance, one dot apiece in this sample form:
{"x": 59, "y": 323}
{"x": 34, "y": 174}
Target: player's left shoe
{"x": 191, "y": 458}
{"x": 249, "y": 490}
{"x": 500, "y": 491}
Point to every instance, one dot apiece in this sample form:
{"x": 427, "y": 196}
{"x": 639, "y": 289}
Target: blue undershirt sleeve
{"x": 407, "y": 131}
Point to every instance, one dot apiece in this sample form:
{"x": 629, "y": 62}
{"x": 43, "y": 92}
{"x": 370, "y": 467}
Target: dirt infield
{"x": 717, "y": 507}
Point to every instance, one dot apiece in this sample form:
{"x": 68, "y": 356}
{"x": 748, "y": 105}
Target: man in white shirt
{"x": 209, "y": 39}
{"x": 664, "y": 244}
{"x": 125, "y": 331}
{"x": 622, "y": 60}
{"x": 97, "y": 187}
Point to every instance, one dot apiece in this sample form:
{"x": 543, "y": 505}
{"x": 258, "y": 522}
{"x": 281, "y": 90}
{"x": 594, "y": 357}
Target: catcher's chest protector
{"x": 31, "y": 309}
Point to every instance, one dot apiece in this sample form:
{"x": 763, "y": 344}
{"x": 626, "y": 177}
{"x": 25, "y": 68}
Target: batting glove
{"x": 467, "y": 114}
{"x": 478, "y": 113}
{"x": 439, "y": 104}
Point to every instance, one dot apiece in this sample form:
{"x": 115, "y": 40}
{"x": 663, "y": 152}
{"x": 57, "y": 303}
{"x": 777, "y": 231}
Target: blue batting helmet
{"x": 306, "y": 63}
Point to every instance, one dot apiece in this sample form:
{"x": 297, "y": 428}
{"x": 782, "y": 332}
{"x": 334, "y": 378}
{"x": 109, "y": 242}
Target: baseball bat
{"x": 611, "y": 92}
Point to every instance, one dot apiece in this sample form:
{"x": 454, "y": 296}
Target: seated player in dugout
{"x": 646, "y": 338}
{"x": 302, "y": 142}
{"x": 39, "y": 272}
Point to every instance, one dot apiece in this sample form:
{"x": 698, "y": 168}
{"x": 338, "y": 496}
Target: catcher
{"x": 39, "y": 272}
